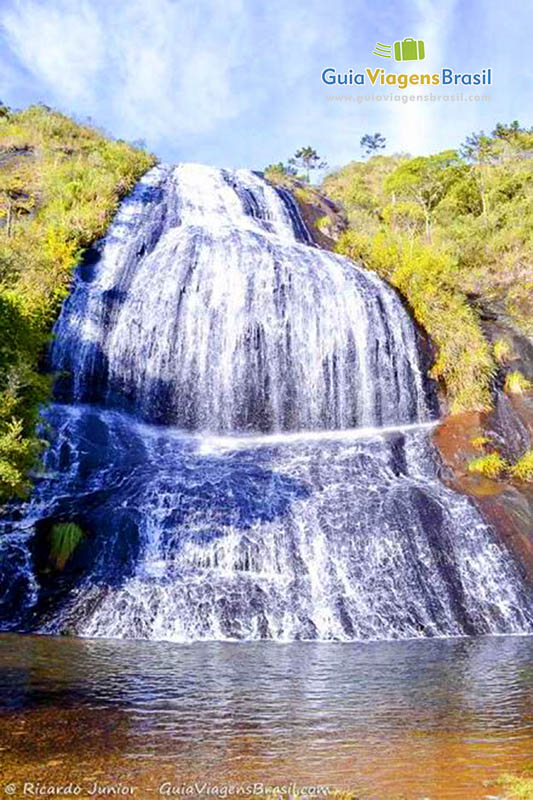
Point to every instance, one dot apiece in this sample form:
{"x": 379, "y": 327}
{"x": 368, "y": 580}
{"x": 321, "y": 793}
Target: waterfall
{"x": 208, "y": 313}
{"x": 242, "y": 429}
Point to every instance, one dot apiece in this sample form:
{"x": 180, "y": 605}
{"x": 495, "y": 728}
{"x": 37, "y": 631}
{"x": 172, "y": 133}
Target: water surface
{"x": 411, "y": 719}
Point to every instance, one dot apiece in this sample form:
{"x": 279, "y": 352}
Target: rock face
{"x": 324, "y": 219}
{"x": 507, "y": 505}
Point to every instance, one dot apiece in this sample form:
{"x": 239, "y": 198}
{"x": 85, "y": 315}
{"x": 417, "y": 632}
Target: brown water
{"x": 418, "y": 719}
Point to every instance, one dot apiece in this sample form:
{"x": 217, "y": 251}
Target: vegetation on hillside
{"x": 453, "y": 232}
{"x": 490, "y": 466}
{"x": 60, "y": 183}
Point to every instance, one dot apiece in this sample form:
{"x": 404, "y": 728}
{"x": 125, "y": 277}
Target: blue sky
{"x": 237, "y": 82}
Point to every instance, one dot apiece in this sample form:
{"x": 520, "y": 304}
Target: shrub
{"x": 64, "y": 539}
{"x": 490, "y": 466}
{"x": 480, "y": 442}
{"x": 277, "y": 174}
{"x": 516, "y": 383}
{"x": 322, "y": 224}
{"x": 523, "y": 469}
{"x": 502, "y": 350}
{"x": 517, "y": 788}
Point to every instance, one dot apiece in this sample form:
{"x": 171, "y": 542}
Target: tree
{"x": 279, "y": 169}
{"x": 425, "y": 180}
{"x": 306, "y": 158}
{"x": 514, "y": 139}
{"x": 404, "y": 217}
{"x": 502, "y": 131}
{"x": 372, "y": 143}
{"x": 480, "y": 151}
{"x": 279, "y": 173}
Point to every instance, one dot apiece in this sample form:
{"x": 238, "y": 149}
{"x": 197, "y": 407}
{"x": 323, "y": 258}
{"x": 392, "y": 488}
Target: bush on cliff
{"x": 523, "y": 469}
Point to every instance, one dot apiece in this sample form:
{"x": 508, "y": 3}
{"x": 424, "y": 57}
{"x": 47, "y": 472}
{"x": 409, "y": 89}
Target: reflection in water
{"x": 420, "y": 718}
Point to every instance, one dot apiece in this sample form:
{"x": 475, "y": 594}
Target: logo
{"x": 406, "y": 50}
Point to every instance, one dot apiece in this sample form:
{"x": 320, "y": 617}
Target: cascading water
{"x": 242, "y": 432}
{"x": 208, "y": 313}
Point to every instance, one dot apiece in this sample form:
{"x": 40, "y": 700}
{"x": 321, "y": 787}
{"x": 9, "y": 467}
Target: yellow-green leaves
{"x": 523, "y": 469}
{"x": 452, "y": 236}
{"x": 64, "y": 539}
{"x": 490, "y": 466}
{"x": 516, "y": 383}
{"x": 425, "y": 277}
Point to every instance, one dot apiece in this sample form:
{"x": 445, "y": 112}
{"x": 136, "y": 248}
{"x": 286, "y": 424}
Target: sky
{"x": 237, "y": 83}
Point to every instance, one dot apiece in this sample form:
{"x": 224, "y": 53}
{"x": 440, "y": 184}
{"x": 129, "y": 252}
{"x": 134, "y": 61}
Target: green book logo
{"x": 406, "y": 50}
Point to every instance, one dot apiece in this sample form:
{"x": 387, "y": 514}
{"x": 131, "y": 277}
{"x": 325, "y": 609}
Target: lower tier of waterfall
{"x": 330, "y": 535}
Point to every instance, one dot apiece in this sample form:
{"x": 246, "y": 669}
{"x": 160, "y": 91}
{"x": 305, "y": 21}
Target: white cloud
{"x": 416, "y": 124}
{"x": 238, "y": 81}
{"x": 164, "y": 68}
{"x": 63, "y": 48}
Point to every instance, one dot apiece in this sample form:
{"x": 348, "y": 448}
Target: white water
{"x": 226, "y": 322}
{"x": 289, "y": 539}
{"x": 304, "y": 502}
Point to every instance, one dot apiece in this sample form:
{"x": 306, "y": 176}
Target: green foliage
{"x": 490, "y": 466}
{"x": 404, "y": 217}
{"x": 523, "y": 469}
{"x": 306, "y": 158}
{"x": 502, "y": 351}
{"x": 304, "y": 194}
{"x": 448, "y": 232}
{"x": 60, "y": 184}
{"x": 425, "y": 181}
{"x": 512, "y": 131}
{"x": 372, "y": 143}
{"x": 516, "y": 383}
{"x": 480, "y": 442}
{"x": 478, "y": 148}
{"x": 493, "y": 465}
{"x": 278, "y": 174}
{"x": 322, "y": 223}
{"x": 362, "y": 184}
{"x": 64, "y": 539}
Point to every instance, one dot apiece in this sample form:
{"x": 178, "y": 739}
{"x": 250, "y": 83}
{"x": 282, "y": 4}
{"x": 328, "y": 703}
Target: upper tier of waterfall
{"x": 209, "y": 308}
